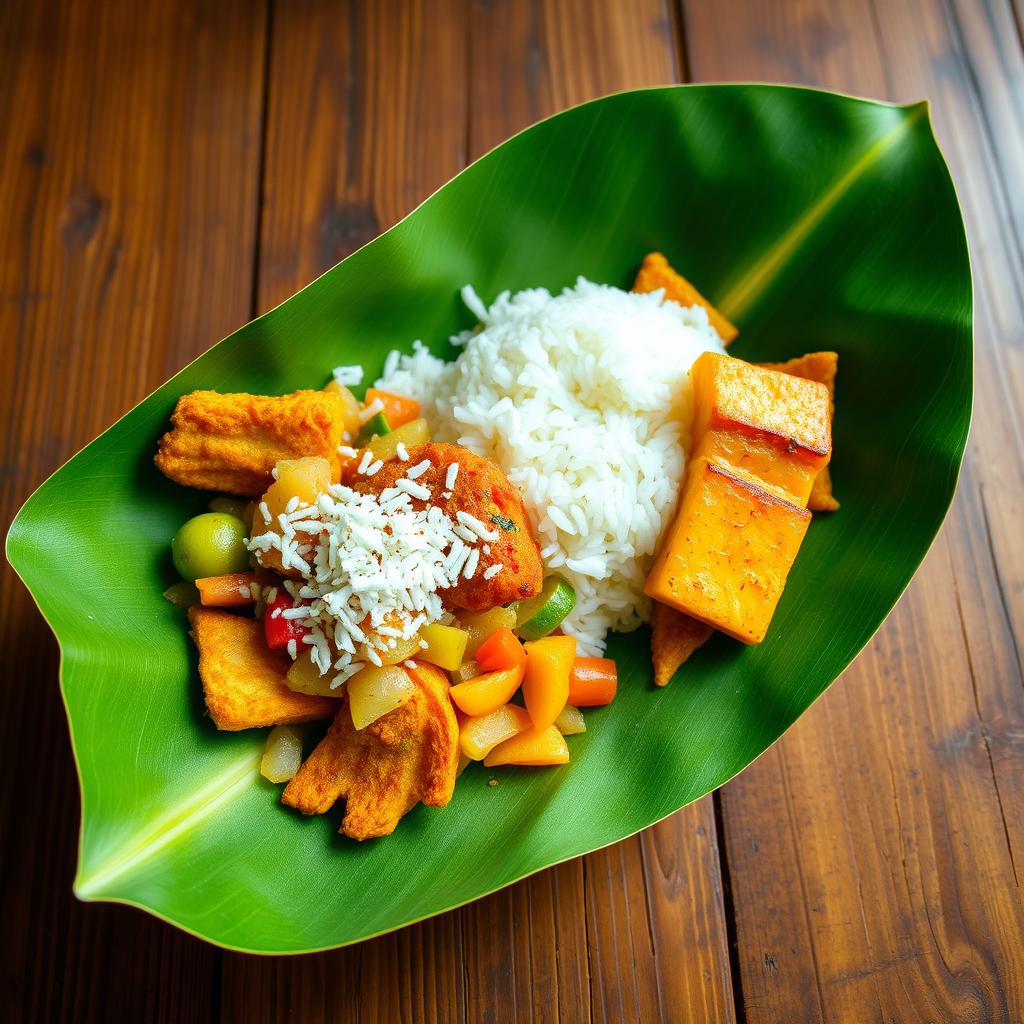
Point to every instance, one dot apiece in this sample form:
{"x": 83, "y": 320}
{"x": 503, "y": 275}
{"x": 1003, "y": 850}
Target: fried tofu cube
{"x": 674, "y": 637}
{"x": 231, "y": 443}
{"x": 655, "y": 272}
{"x": 728, "y": 553}
{"x": 761, "y": 423}
{"x": 822, "y": 367}
{"x": 243, "y": 680}
{"x": 408, "y": 756}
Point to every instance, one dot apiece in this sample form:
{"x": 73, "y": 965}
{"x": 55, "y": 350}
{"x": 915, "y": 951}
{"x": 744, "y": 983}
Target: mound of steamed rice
{"x": 584, "y": 399}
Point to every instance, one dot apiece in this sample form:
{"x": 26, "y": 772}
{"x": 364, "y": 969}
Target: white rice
{"x": 584, "y": 399}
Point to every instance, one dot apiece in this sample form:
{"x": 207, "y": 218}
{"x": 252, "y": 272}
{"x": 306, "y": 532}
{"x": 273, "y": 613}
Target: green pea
{"x": 210, "y": 545}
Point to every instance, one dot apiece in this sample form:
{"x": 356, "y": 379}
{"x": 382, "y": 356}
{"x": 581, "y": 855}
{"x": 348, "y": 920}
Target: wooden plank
{"x": 652, "y": 927}
{"x": 908, "y": 902}
{"x": 531, "y": 59}
{"x": 366, "y": 116}
{"x": 547, "y": 946}
{"x": 128, "y": 164}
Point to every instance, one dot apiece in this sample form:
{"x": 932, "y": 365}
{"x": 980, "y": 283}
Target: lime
{"x": 377, "y": 426}
{"x": 212, "y": 544}
{"x": 538, "y": 616}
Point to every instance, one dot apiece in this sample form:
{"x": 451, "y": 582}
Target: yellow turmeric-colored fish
{"x": 483, "y": 491}
{"x": 230, "y": 443}
{"x": 243, "y": 680}
{"x": 407, "y": 756}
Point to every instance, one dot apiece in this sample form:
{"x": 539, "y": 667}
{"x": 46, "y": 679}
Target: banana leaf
{"x": 812, "y": 220}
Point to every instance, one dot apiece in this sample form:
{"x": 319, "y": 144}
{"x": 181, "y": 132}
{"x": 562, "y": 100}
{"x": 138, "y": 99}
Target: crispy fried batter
{"x": 482, "y": 490}
{"x": 408, "y": 756}
{"x": 822, "y": 367}
{"x": 674, "y": 637}
{"x": 656, "y": 273}
{"x": 230, "y": 443}
{"x": 243, "y": 680}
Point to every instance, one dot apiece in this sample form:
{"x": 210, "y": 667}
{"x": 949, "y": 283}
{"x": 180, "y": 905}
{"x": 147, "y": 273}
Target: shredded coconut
{"x": 373, "y": 573}
{"x": 348, "y": 376}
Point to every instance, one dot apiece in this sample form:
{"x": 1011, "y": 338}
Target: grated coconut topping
{"x": 373, "y": 568}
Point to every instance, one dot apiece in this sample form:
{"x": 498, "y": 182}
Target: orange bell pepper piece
{"x": 398, "y": 410}
{"x": 484, "y": 694}
{"x": 546, "y": 682}
{"x": 592, "y": 682}
{"x": 227, "y": 591}
{"x": 501, "y": 649}
{"x": 532, "y": 747}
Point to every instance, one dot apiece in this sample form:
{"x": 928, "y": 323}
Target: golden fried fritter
{"x": 822, "y": 367}
{"x": 674, "y": 637}
{"x": 482, "y": 490}
{"x": 230, "y": 443}
{"x": 407, "y": 756}
{"x": 243, "y": 679}
{"x": 656, "y": 273}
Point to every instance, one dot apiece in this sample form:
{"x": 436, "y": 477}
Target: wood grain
{"x": 129, "y": 147}
{"x": 366, "y": 117}
{"x": 553, "y": 946}
{"x": 168, "y": 169}
{"x": 908, "y": 902}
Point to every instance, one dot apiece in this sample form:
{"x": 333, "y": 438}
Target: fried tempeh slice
{"x": 655, "y": 272}
{"x": 407, "y": 756}
{"x": 822, "y": 367}
{"x": 243, "y": 679}
{"x": 674, "y": 637}
{"x": 230, "y": 443}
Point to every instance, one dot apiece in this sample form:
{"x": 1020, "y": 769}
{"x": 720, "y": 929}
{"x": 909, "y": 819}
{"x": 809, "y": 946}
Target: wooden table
{"x": 170, "y": 169}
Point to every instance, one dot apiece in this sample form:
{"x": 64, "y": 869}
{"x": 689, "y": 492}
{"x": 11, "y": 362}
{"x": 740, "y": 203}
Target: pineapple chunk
{"x": 282, "y": 753}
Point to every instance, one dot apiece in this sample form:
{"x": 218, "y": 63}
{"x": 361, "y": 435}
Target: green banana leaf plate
{"x": 812, "y": 220}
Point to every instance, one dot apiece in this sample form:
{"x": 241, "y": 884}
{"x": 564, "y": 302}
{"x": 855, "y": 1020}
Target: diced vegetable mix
{"x": 385, "y": 447}
{"x": 478, "y": 736}
{"x": 282, "y": 753}
{"x": 570, "y": 721}
{"x": 277, "y": 629}
{"x": 541, "y": 615}
{"x": 352, "y": 408}
{"x": 534, "y": 746}
{"x": 374, "y": 692}
{"x": 592, "y": 682}
{"x": 211, "y": 544}
{"x": 183, "y": 594}
{"x": 482, "y": 651}
{"x": 500, "y": 650}
{"x": 376, "y": 426}
{"x": 446, "y": 646}
{"x": 235, "y": 589}
{"x": 305, "y": 677}
{"x": 480, "y": 625}
{"x": 487, "y": 693}
{"x": 398, "y": 409}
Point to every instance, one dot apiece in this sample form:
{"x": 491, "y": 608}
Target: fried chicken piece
{"x": 674, "y": 637}
{"x": 243, "y": 680}
{"x": 656, "y": 273}
{"x": 822, "y": 367}
{"x": 408, "y": 756}
{"x": 230, "y": 443}
{"x": 482, "y": 490}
